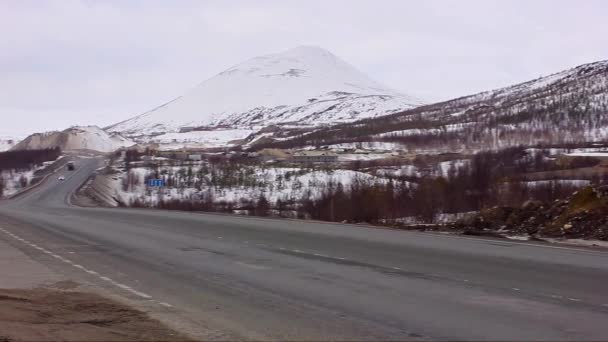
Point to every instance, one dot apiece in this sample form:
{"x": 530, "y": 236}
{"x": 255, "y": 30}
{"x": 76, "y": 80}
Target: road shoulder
{"x": 37, "y": 303}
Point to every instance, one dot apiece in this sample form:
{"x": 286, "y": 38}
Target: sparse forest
{"x": 26, "y": 159}
{"x": 488, "y": 179}
{"x": 16, "y": 167}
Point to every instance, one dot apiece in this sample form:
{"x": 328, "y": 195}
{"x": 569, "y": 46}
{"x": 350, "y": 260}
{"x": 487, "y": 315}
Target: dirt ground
{"x": 57, "y": 315}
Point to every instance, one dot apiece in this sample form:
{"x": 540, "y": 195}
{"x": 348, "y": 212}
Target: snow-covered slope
{"x": 570, "y": 106}
{"x": 75, "y": 138}
{"x": 6, "y": 143}
{"x": 303, "y": 86}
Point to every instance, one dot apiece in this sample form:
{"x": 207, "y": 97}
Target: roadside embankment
{"x": 38, "y": 304}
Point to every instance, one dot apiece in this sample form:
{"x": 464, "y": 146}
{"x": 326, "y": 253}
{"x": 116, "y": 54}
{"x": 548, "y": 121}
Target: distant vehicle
{"x": 61, "y": 178}
{"x": 71, "y": 166}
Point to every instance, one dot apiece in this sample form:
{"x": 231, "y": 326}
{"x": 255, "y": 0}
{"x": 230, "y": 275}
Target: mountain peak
{"x": 307, "y": 51}
{"x": 307, "y": 85}
{"x": 304, "y": 60}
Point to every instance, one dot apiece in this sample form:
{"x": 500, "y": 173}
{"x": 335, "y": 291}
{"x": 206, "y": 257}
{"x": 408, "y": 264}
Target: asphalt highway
{"x": 253, "y": 278}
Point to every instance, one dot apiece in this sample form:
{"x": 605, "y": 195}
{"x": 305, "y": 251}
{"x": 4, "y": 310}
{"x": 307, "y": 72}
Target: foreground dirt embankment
{"x": 57, "y": 315}
{"x": 584, "y": 215}
{"x": 40, "y": 304}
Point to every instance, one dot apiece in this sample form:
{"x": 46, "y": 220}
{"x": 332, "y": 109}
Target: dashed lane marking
{"x": 67, "y": 261}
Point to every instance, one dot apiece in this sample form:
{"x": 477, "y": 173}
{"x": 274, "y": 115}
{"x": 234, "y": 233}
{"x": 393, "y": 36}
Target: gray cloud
{"x": 75, "y": 62}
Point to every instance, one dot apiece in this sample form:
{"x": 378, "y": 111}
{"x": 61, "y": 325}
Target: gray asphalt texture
{"x": 255, "y": 278}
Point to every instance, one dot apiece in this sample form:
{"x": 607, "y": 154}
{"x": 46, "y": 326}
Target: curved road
{"x": 251, "y": 278}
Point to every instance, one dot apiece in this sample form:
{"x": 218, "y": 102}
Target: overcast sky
{"x": 98, "y": 62}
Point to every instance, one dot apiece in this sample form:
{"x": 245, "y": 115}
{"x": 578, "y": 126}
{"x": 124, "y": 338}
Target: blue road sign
{"x": 156, "y": 182}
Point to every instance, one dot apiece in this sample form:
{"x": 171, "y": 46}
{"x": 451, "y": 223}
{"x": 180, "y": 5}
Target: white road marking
{"x": 574, "y": 299}
{"x": 514, "y": 289}
{"x": 396, "y": 268}
{"x": 252, "y": 266}
{"x": 59, "y": 257}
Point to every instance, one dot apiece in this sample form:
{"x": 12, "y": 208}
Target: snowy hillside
{"x": 207, "y": 138}
{"x": 75, "y": 138}
{"x": 567, "y": 107}
{"x": 305, "y": 86}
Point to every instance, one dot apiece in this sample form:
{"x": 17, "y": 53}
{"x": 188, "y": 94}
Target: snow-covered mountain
{"x": 305, "y": 86}
{"x": 567, "y": 107}
{"x": 75, "y": 138}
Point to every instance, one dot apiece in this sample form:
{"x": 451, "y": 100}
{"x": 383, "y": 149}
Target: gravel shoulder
{"x": 37, "y": 304}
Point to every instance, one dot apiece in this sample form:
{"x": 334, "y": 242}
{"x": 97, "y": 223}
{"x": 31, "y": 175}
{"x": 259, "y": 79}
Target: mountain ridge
{"x": 566, "y": 106}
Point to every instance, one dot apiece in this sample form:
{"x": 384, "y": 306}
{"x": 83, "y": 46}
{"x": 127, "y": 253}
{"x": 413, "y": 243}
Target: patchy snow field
{"x": 215, "y": 138}
{"x": 363, "y": 156}
{"x": 570, "y": 182}
{"x": 589, "y": 154}
{"x": 14, "y": 181}
{"x": 368, "y": 145}
{"x": 200, "y": 181}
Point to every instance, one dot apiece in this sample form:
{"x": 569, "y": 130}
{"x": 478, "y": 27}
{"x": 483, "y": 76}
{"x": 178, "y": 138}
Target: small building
{"x": 176, "y": 155}
{"x": 315, "y": 157}
{"x": 272, "y": 155}
{"x": 187, "y": 129}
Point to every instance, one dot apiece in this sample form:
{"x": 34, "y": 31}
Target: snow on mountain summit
{"x": 306, "y": 85}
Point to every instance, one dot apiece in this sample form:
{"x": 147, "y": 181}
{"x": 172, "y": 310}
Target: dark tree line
{"x": 27, "y": 159}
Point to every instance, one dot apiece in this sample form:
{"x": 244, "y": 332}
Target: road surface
{"x": 252, "y": 278}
